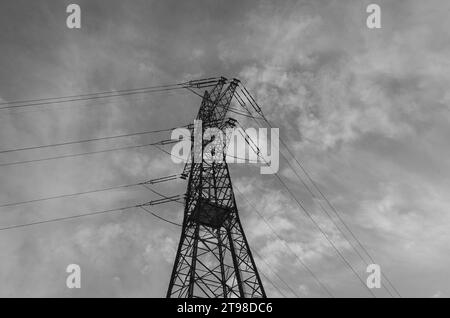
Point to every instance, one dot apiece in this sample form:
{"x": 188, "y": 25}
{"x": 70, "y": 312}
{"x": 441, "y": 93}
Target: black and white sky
{"x": 366, "y": 111}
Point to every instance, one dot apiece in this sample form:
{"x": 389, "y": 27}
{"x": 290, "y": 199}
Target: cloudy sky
{"x": 366, "y": 111}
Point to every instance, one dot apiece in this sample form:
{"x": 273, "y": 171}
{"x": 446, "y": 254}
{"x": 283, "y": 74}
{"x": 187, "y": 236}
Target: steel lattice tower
{"x": 213, "y": 257}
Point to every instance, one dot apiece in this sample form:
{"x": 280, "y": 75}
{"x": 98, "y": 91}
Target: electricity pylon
{"x": 213, "y": 258}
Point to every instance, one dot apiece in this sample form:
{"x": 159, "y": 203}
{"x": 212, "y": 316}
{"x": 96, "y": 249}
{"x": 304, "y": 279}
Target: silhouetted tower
{"x": 213, "y": 257}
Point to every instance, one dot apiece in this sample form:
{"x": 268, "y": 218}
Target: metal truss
{"x": 213, "y": 257}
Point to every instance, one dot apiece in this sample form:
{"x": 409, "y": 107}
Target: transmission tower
{"x": 213, "y": 258}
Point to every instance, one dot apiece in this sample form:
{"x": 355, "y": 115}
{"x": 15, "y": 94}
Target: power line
{"x": 308, "y": 214}
{"x": 302, "y": 207}
{"x": 163, "y": 179}
{"x": 162, "y": 195}
{"x": 166, "y": 142}
{"x": 88, "y": 94}
{"x": 339, "y": 217}
{"x": 330, "y": 217}
{"x": 143, "y": 206}
{"x": 146, "y": 209}
{"x": 271, "y": 283}
{"x": 107, "y": 94}
{"x": 328, "y": 202}
{"x": 285, "y": 244}
{"x": 159, "y": 217}
{"x": 81, "y": 216}
{"x": 165, "y": 151}
{"x": 67, "y": 195}
{"x": 165, "y": 199}
{"x": 317, "y": 225}
{"x": 337, "y": 214}
{"x": 60, "y": 196}
{"x": 325, "y": 235}
{"x": 90, "y": 140}
{"x": 48, "y": 107}
{"x": 325, "y": 198}
{"x": 84, "y": 99}
{"x": 276, "y": 274}
{"x": 155, "y": 144}
{"x": 65, "y": 218}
